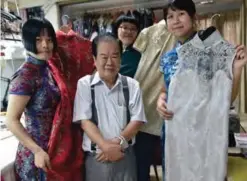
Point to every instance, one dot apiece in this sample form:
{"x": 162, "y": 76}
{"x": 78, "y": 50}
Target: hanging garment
{"x": 168, "y": 66}
{"x": 73, "y": 61}
{"x": 152, "y": 42}
{"x": 87, "y": 26}
{"x": 64, "y": 137}
{"x": 199, "y": 95}
{"x": 76, "y": 57}
{"x": 148, "y": 18}
{"x": 137, "y": 16}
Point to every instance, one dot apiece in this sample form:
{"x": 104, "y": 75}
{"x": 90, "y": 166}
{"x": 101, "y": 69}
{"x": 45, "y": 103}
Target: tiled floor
{"x": 152, "y": 173}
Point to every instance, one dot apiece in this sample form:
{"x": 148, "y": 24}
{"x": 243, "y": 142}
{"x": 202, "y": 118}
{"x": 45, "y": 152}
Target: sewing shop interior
{"x": 90, "y": 19}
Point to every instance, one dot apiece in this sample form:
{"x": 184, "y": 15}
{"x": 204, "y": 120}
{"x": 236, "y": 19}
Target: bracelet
{"x": 122, "y": 138}
{"x": 123, "y": 143}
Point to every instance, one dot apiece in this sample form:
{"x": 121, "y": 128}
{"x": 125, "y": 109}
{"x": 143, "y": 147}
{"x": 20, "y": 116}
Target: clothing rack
{"x": 149, "y": 5}
{"x": 89, "y": 23}
{"x": 11, "y": 39}
{"x": 111, "y": 5}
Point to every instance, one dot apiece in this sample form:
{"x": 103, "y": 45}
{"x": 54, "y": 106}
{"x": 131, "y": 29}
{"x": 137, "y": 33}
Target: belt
{"x": 93, "y": 153}
{"x": 89, "y": 153}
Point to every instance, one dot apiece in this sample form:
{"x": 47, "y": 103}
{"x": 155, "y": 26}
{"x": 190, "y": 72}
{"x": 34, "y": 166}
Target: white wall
{"x": 53, "y": 15}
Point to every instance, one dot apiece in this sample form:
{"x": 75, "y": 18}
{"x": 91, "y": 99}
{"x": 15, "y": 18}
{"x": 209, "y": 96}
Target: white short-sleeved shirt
{"x": 110, "y": 105}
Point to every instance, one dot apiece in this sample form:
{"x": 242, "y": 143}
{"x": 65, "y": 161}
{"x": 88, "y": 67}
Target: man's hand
{"x": 100, "y": 157}
{"x": 111, "y": 152}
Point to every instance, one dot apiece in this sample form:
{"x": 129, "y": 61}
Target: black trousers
{"x": 144, "y": 148}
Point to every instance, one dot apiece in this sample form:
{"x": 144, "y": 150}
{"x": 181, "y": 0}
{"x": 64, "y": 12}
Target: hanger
{"x": 206, "y": 33}
{"x": 215, "y": 19}
{"x": 18, "y": 17}
{"x": 215, "y": 15}
{"x": 66, "y": 24}
{"x": 8, "y": 16}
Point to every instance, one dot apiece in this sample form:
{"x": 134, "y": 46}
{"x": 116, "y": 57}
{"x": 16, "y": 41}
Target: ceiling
{"x": 203, "y": 6}
{"x": 217, "y": 5}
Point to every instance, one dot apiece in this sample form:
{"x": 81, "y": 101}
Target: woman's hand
{"x": 241, "y": 57}
{"x": 162, "y": 107}
{"x": 240, "y": 61}
{"x": 42, "y": 160}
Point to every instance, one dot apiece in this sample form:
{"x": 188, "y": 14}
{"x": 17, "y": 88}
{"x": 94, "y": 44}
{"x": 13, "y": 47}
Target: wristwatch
{"x": 123, "y": 143}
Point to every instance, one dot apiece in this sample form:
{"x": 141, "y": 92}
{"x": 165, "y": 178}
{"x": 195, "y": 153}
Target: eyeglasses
{"x": 124, "y": 28}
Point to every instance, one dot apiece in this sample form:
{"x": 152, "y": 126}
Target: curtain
{"x": 228, "y": 23}
{"x": 233, "y": 27}
{"x": 243, "y": 40}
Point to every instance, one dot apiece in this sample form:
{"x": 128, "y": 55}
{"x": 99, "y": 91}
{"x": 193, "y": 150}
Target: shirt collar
{"x": 209, "y": 41}
{"x": 32, "y": 58}
{"x": 97, "y": 80}
{"x": 188, "y": 39}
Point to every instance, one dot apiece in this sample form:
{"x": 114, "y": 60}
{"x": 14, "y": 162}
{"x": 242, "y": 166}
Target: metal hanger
{"x": 215, "y": 15}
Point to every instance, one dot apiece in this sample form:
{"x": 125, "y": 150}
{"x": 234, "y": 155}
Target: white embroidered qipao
{"x": 199, "y": 95}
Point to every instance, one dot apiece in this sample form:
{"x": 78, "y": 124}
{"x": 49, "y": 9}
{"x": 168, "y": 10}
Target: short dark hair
{"x": 32, "y": 29}
{"x": 102, "y": 38}
{"x": 125, "y": 19}
{"x": 186, "y": 5}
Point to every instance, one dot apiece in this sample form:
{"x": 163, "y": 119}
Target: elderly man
{"x": 110, "y": 110}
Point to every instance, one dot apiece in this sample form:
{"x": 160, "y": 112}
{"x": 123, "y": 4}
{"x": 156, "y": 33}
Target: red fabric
{"x": 76, "y": 55}
{"x": 73, "y": 61}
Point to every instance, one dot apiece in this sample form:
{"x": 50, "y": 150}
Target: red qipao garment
{"x": 76, "y": 55}
{"x": 73, "y": 61}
